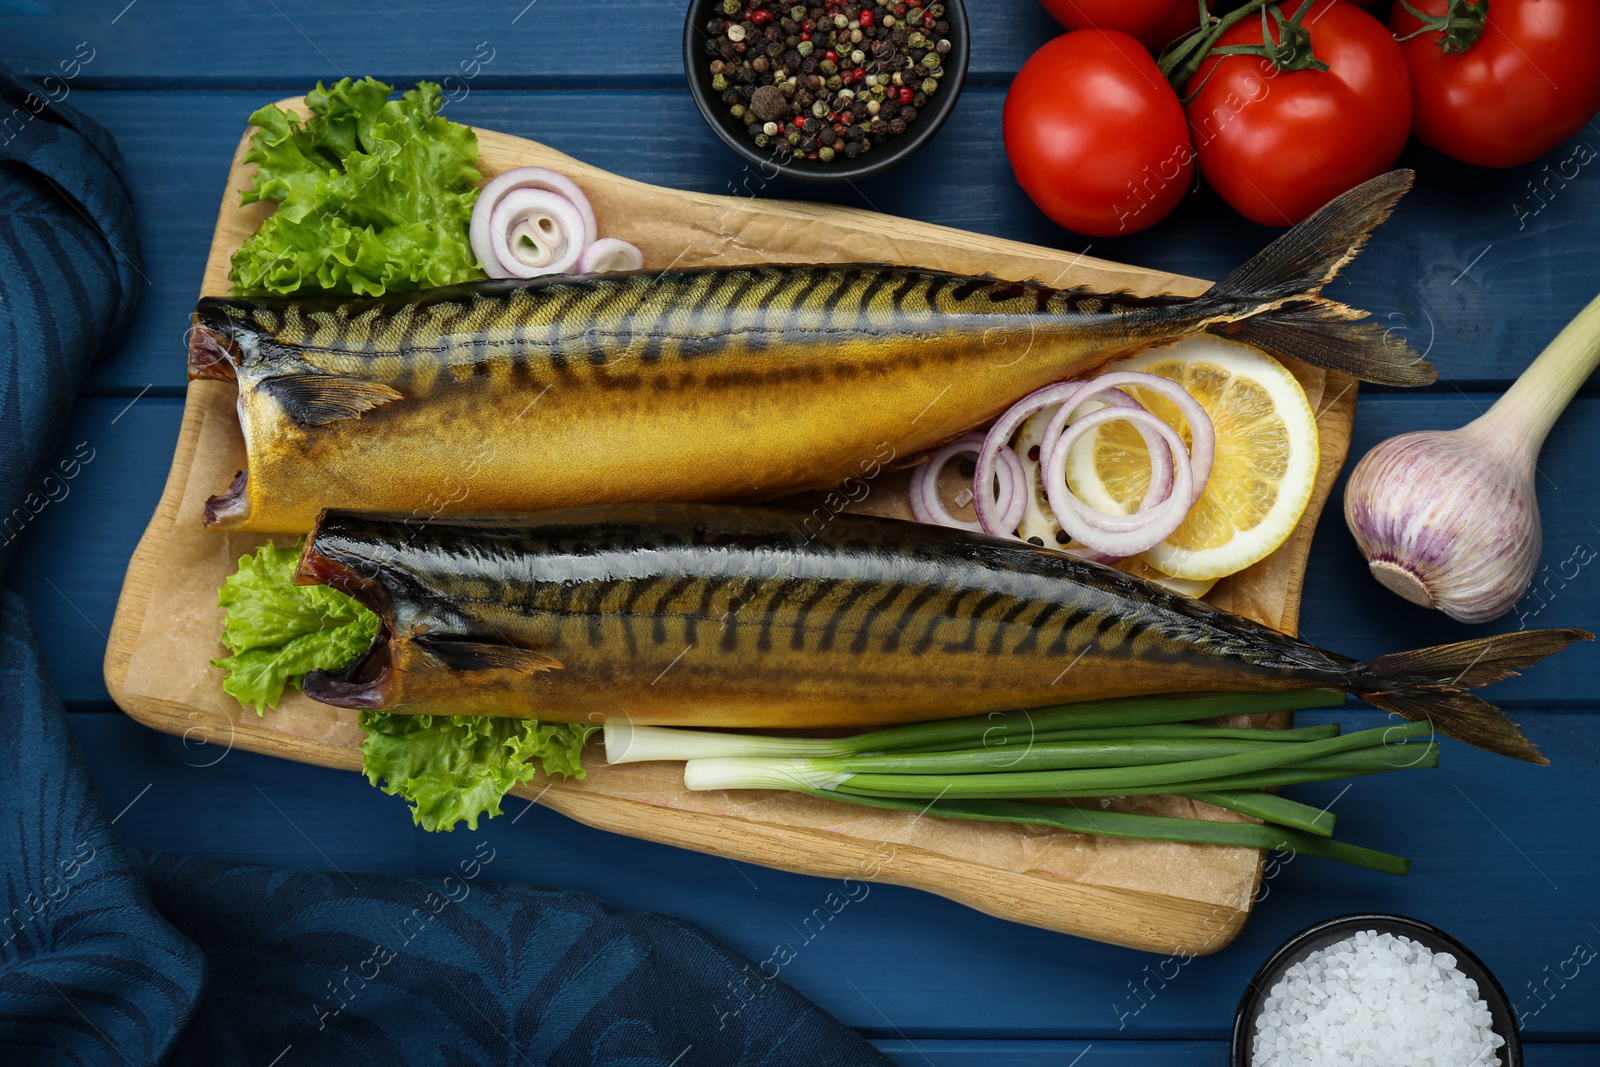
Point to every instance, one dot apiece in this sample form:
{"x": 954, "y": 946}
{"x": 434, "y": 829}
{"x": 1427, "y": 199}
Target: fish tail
{"x": 1273, "y": 302}
{"x": 1430, "y": 684}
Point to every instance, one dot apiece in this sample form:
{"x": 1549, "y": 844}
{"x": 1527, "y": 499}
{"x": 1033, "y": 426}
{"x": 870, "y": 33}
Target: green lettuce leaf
{"x": 277, "y": 631}
{"x": 453, "y": 768}
{"x": 374, "y": 195}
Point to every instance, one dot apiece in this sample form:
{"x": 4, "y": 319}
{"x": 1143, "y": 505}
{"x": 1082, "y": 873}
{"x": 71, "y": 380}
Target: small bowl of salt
{"x": 1374, "y": 991}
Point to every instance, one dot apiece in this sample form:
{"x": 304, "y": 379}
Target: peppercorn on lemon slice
{"x": 1266, "y": 458}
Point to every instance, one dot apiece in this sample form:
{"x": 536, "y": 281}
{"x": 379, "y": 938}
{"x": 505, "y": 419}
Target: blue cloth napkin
{"x": 107, "y": 958}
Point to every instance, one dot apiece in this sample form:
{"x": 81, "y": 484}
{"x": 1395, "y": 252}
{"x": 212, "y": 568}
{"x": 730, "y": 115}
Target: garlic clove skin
{"x": 1448, "y": 519}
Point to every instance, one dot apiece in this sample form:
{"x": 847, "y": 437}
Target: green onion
{"x": 1143, "y": 827}
{"x": 883, "y": 776}
{"x": 1055, "y": 755}
{"x": 1274, "y": 809}
{"x": 626, "y": 743}
{"x": 1013, "y": 766}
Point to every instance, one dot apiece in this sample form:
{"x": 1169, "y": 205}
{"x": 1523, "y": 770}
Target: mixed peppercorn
{"x": 826, "y": 80}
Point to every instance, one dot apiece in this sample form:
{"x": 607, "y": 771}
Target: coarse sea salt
{"x": 1375, "y": 1000}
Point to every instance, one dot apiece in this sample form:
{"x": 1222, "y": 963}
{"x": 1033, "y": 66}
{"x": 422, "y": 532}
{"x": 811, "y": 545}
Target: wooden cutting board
{"x": 1157, "y": 896}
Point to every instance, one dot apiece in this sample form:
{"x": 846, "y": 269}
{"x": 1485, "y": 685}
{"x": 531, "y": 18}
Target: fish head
{"x": 223, "y": 335}
{"x": 429, "y": 651}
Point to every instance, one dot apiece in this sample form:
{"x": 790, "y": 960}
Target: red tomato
{"x": 1530, "y": 82}
{"x": 1183, "y": 19}
{"x": 1096, "y": 136}
{"x": 1157, "y": 23}
{"x": 1277, "y": 145}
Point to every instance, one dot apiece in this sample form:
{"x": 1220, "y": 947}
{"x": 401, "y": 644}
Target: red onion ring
{"x": 608, "y": 254}
{"x": 1202, "y": 450}
{"x": 1119, "y": 535}
{"x": 540, "y": 178}
{"x": 533, "y": 232}
{"x": 990, "y": 515}
{"x": 1161, "y": 462}
{"x": 927, "y": 506}
{"x": 1177, "y": 473}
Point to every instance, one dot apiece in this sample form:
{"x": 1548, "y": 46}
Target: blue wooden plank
{"x": 72, "y": 554}
{"x": 548, "y": 44}
{"x": 922, "y": 1052}
{"x": 1502, "y": 861}
{"x": 1442, "y": 272}
{"x": 1000, "y": 1053}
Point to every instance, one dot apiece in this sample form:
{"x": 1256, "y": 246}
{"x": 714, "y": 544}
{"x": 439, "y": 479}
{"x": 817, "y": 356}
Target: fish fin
{"x": 1467, "y": 718}
{"x": 1320, "y": 333}
{"x": 1480, "y": 661}
{"x": 1272, "y": 301}
{"x": 486, "y": 656}
{"x": 1303, "y": 260}
{"x": 318, "y": 399}
{"x": 1428, "y": 684}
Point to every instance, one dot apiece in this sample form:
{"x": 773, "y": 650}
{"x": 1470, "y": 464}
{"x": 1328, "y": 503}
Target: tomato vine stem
{"x": 1459, "y": 27}
{"x": 1289, "y": 50}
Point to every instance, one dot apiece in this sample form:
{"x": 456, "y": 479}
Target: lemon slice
{"x": 1266, "y": 457}
{"x": 1189, "y": 587}
{"x": 1039, "y": 526}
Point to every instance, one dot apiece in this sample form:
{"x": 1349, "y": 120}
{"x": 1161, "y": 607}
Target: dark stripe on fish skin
{"x": 700, "y": 337}
{"x": 799, "y": 331}
{"x": 874, "y": 610}
{"x": 1031, "y": 641}
{"x": 874, "y": 287}
{"x": 753, "y": 331}
{"x": 730, "y": 625}
{"x": 924, "y": 594}
{"x": 670, "y": 592}
{"x": 738, "y": 592}
{"x": 944, "y": 612}
{"x": 897, "y": 299}
{"x": 777, "y": 599}
{"x": 1082, "y": 618}
{"x": 1004, "y": 291}
{"x": 802, "y": 617}
{"x": 851, "y": 590}
{"x": 556, "y": 302}
{"x": 443, "y": 316}
{"x": 827, "y": 301}
{"x": 1103, "y": 628}
{"x": 853, "y": 308}
{"x": 715, "y": 586}
{"x": 653, "y": 328}
{"x": 625, "y": 612}
{"x": 622, "y": 338}
{"x": 966, "y": 290}
{"x": 592, "y": 615}
{"x": 1003, "y": 624}
{"x": 778, "y": 302}
{"x": 595, "y": 350}
{"x": 975, "y": 617}
{"x": 830, "y": 306}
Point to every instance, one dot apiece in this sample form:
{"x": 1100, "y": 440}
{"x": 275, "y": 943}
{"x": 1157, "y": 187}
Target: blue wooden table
{"x": 1477, "y": 268}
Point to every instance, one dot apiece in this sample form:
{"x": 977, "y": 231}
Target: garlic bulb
{"x": 1447, "y": 521}
{"x": 1450, "y": 519}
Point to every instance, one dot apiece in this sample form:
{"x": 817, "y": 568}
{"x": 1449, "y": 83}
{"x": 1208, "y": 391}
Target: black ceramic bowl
{"x": 1330, "y": 931}
{"x": 696, "y": 67}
